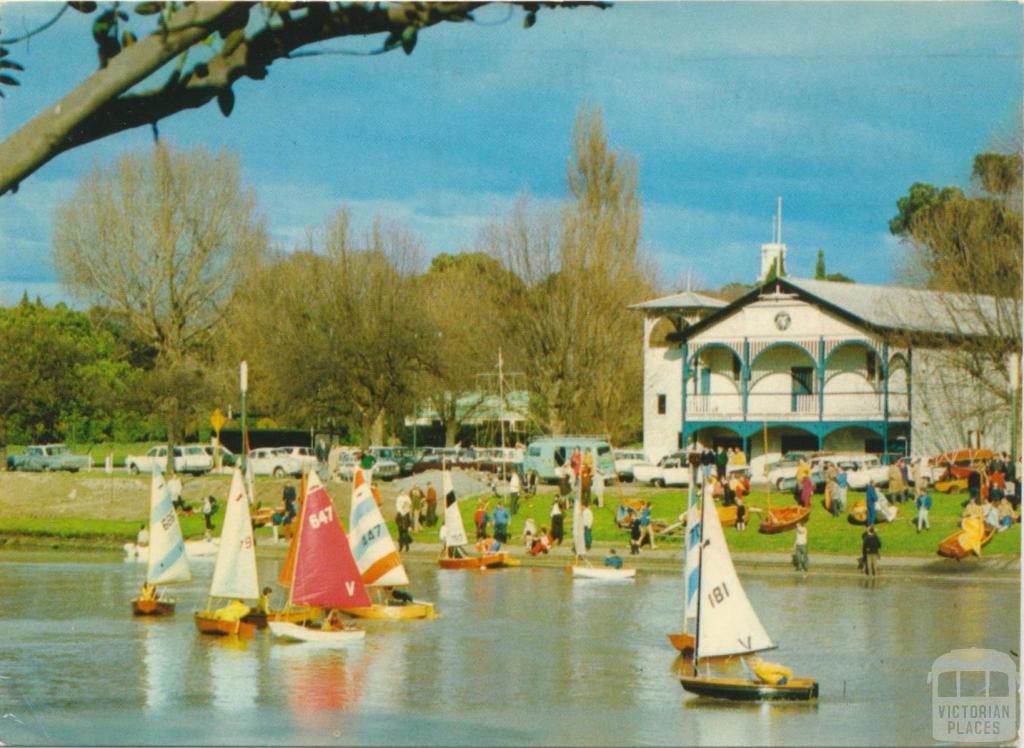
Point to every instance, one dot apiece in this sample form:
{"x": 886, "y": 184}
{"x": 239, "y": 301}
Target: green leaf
{"x": 226, "y": 101}
{"x": 409, "y": 39}
{"x": 122, "y": 15}
{"x": 8, "y": 81}
{"x": 82, "y": 7}
{"x": 147, "y": 9}
{"x": 529, "y": 19}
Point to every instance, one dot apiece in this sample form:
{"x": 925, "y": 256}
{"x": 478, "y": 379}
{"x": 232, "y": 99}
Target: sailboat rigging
{"x": 168, "y": 563}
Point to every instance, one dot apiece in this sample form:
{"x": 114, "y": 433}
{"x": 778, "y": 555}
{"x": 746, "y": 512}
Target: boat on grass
{"x": 966, "y": 542}
{"x": 727, "y": 626}
{"x": 234, "y": 574}
{"x": 167, "y": 562}
{"x": 884, "y": 512}
{"x": 453, "y": 555}
{"x": 378, "y": 560}
{"x": 324, "y": 574}
{"x": 782, "y": 518}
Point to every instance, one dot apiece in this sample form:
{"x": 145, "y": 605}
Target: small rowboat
{"x": 408, "y": 612}
{"x": 744, "y": 689}
{"x": 487, "y": 561}
{"x": 314, "y": 635}
{"x": 782, "y": 518}
{"x": 727, "y": 515}
{"x": 951, "y": 547}
{"x": 142, "y": 607}
{"x": 208, "y": 624}
{"x": 883, "y": 513}
{"x": 602, "y": 572}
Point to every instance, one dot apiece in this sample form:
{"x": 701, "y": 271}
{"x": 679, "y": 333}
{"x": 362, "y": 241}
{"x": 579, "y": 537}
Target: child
{"x": 800, "y": 547}
{"x": 924, "y": 503}
{"x": 529, "y": 532}
{"x": 635, "y": 534}
{"x": 741, "y": 514}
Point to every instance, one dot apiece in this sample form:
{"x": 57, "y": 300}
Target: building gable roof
{"x": 891, "y": 308}
{"x": 684, "y": 300}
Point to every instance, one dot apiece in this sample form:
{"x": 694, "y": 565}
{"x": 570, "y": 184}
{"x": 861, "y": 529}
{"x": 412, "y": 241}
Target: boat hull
{"x": 859, "y": 514}
{"x": 293, "y": 632}
{"x": 781, "y": 519}
{"x": 211, "y": 626}
{"x": 377, "y": 612}
{"x": 741, "y": 689}
{"x": 487, "y": 561}
{"x": 682, "y": 642}
{"x": 950, "y": 547}
{"x": 152, "y": 607}
{"x": 602, "y": 572}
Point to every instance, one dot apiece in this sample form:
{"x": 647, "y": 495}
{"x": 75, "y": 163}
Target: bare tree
{"x": 162, "y": 241}
{"x": 575, "y": 275}
{"x": 237, "y": 39}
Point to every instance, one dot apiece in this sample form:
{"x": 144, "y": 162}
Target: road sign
{"x": 217, "y": 420}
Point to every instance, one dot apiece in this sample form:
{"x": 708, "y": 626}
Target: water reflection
{"x": 233, "y": 671}
{"x": 318, "y": 682}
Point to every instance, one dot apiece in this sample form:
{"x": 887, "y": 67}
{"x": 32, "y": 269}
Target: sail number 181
{"x": 718, "y": 594}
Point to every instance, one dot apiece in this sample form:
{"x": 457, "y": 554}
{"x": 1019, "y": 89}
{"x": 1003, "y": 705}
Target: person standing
{"x": 646, "y": 528}
{"x": 480, "y": 519}
{"x": 588, "y": 525}
{"x": 575, "y": 464}
{"x": 707, "y": 464}
{"x": 501, "y": 522}
{"x": 514, "y": 487}
{"x": 924, "y": 503}
{"x": 839, "y": 491}
{"x": 431, "y": 505}
{"x": 800, "y": 548}
{"x": 896, "y": 484}
{"x": 598, "y": 489}
{"x": 403, "y": 504}
{"x": 871, "y": 499}
{"x": 806, "y": 490}
{"x": 635, "y": 535}
{"x": 208, "y": 510}
{"x": 721, "y": 462}
{"x": 403, "y": 520}
{"x": 871, "y": 544}
{"x": 557, "y": 522}
{"x": 586, "y": 473}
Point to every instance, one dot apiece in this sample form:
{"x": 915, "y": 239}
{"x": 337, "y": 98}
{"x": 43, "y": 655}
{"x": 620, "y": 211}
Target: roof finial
{"x": 779, "y": 241}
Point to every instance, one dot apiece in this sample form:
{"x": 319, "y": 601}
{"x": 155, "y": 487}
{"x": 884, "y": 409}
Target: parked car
{"x": 786, "y": 467}
{"x": 47, "y": 457}
{"x": 305, "y": 455}
{"x": 189, "y": 458}
{"x": 382, "y": 468}
{"x": 672, "y": 470}
{"x": 404, "y": 457}
{"x": 227, "y": 457}
{"x": 498, "y": 459}
{"x": 862, "y": 469}
{"x": 546, "y": 454}
{"x": 275, "y": 461}
{"x": 625, "y": 459}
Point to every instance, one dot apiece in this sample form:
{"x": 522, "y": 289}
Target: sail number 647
{"x": 718, "y": 594}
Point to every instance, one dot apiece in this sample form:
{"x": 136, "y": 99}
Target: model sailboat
{"x": 452, "y": 555}
{"x": 234, "y": 575}
{"x": 325, "y": 574}
{"x": 580, "y": 568}
{"x": 727, "y": 626}
{"x": 684, "y": 641}
{"x": 377, "y": 558}
{"x": 167, "y": 562}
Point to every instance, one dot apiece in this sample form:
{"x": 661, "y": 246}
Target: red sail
{"x": 326, "y": 574}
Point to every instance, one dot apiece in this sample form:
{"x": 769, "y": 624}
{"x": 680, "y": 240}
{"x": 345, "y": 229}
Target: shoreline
{"x": 1003, "y": 568}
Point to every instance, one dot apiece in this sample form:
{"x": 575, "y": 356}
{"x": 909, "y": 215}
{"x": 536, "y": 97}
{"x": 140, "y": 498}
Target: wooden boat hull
{"x": 293, "y": 632}
{"x": 859, "y": 514}
{"x": 408, "y": 612}
{"x": 602, "y": 572}
{"x": 781, "y": 519}
{"x": 727, "y": 515}
{"x": 152, "y": 607}
{"x": 487, "y": 561}
{"x": 950, "y": 547}
{"x": 683, "y": 642}
{"x": 207, "y": 624}
{"x": 742, "y": 689}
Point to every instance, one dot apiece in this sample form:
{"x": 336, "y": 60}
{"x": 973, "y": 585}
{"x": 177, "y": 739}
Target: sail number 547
{"x": 718, "y": 594}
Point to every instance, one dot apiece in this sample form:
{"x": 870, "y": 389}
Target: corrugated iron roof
{"x": 684, "y": 300}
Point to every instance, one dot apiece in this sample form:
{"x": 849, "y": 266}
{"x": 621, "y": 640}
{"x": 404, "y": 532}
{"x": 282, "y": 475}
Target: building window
{"x": 661, "y": 405}
{"x": 871, "y": 364}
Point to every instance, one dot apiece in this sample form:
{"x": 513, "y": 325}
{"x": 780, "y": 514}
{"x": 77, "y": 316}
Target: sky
{"x": 836, "y": 107}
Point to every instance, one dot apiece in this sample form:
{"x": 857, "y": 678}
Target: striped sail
{"x": 167, "y": 560}
{"x": 234, "y": 575}
{"x": 579, "y": 546}
{"x": 728, "y": 624}
{"x": 691, "y": 557}
{"x": 372, "y": 546}
{"x": 454, "y": 530}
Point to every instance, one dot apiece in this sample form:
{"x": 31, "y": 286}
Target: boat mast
{"x": 700, "y": 576}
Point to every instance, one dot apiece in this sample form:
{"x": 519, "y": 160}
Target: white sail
{"x": 728, "y": 624}
{"x": 578, "y": 540}
{"x": 234, "y": 574}
{"x": 374, "y": 550}
{"x": 454, "y": 530}
{"x": 167, "y": 560}
{"x": 691, "y": 568}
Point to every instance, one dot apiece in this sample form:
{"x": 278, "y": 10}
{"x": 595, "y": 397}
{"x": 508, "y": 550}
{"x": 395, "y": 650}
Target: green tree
{"x": 819, "y": 266}
{"x": 149, "y": 43}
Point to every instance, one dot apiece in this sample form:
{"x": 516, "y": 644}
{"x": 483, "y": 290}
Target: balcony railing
{"x": 857, "y": 406}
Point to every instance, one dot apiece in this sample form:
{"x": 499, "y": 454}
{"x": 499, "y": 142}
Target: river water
{"x": 519, "y": 656}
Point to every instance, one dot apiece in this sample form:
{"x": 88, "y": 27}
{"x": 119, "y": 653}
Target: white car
{"x": 276, "y": 462}
{"x": 189, "y": 458}
{"x": 671, "y": 470}
{"x": 304, "y": 455}
{"x": 861, "y": 469}
{"x": 625, "y": 460}
{"x": 786, "y": 468}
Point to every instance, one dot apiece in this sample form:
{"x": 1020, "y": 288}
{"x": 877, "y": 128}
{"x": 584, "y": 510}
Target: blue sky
{"x": 836, "y": 107}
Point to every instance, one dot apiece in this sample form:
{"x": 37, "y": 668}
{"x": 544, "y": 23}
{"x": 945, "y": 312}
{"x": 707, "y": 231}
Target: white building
{"x": 807, "y": 364}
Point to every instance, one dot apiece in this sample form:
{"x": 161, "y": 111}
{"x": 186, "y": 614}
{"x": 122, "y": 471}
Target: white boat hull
{"x": 602, "y": 572}
{"x": 295, "y": 633}
{"x": 193, "y": 549}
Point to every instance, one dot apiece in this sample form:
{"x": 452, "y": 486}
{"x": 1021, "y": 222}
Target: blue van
{"x": 546, "y": 454}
